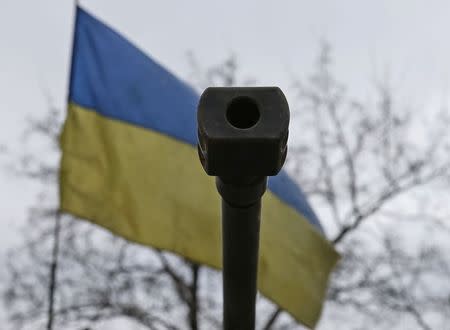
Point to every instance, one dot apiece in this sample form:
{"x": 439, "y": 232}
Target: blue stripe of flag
{"x": 117, "y": 80}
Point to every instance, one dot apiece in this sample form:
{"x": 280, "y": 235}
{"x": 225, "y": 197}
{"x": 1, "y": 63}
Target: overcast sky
{"x": 272, "y": 39}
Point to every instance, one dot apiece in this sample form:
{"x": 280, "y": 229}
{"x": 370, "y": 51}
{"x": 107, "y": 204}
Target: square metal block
{"x": 242, "y": 131}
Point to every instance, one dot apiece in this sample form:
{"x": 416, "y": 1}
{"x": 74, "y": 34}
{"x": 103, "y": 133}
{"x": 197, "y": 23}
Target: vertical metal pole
{"x": 240, "y": 244}
{"x": 53, "y": 270}
{"x": 240, "y": 262}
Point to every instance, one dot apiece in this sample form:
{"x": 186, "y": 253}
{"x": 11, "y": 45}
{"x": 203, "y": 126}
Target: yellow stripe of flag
{"x": 129, "y": 164}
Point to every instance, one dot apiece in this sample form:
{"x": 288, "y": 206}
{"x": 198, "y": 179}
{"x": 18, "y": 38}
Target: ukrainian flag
{"x": 129, "y": 164}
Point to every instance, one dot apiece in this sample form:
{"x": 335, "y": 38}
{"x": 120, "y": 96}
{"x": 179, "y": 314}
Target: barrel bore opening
{"x": 243, "y": 112}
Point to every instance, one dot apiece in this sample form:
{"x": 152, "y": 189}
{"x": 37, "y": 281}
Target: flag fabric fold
{"x": 129, "y": 164}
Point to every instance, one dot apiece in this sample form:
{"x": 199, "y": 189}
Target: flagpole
{"x": 57, "y": 227}
{"x": 53, "y": 270}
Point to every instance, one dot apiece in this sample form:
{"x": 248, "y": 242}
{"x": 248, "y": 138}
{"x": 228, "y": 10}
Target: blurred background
{"x": 368, "y": 87}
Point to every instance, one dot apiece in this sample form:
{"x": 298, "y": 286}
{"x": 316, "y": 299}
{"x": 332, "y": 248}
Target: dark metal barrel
{"x": 240, "y": 244}
{"x": 242, "y": 140}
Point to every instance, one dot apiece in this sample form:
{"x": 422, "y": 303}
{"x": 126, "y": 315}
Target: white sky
{"x": 272, "y": 39}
